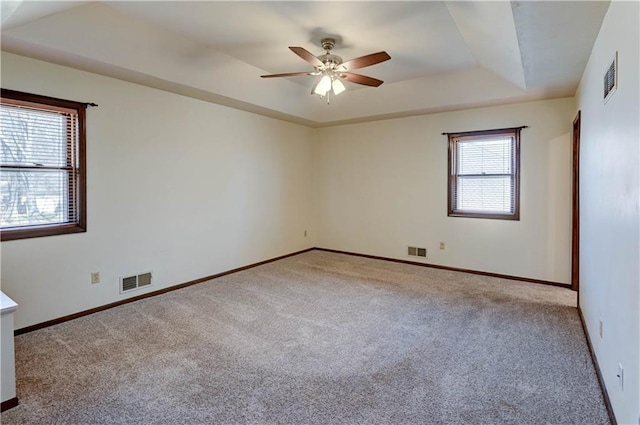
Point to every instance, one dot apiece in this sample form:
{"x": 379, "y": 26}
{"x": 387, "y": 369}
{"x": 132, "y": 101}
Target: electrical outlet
{"x": 620, "y": 376}
{"x": 95, "y": 278}
{"x": 441, "y": 245}
{"x": 601, "y": 329}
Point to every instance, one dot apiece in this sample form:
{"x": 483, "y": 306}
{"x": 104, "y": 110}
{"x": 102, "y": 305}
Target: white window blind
{"x": 483, "y": 173}
{"x": 40, "y": 165}
{"x": 485, "y": 180}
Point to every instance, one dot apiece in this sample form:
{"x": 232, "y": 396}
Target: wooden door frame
{"x": 575, "y": 206}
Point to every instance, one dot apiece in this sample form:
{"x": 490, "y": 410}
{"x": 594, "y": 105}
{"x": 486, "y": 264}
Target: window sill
{"x": 491, "y": 216}
{"x": 41, "y": 231}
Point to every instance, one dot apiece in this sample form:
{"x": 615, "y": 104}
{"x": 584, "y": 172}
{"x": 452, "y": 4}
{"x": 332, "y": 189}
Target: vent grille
{"x": 413, "y": 251}
{"x": 130, "y": 283}
{"x": 611, "y": 78}
{"x": 144, "y": 279}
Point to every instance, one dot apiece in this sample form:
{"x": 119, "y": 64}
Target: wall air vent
{"x": 130, "y": 283}
{"x": 417, "y": 252}
{"x": 611, "y": 78}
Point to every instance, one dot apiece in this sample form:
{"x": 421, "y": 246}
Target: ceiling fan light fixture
{"x": 337, "y": 86}
{"x": 316, "y": 90}
{"x": 323, "y": 86}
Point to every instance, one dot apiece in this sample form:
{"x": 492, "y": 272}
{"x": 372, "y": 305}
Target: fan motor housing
{"x": 330, "y": 61}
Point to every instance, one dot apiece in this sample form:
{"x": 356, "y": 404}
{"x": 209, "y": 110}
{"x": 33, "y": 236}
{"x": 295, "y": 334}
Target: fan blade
{"x": 288, "y": 74}
{"x": 306, "y": 55}
{"x": 367, "y": 60}
{"x": 361, "y": 79}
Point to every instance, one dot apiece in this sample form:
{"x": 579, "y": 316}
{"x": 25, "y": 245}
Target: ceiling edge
{"x": 438, "y": 110}
{"x": 119, "y": 73}
{"x": 127, "y": 75}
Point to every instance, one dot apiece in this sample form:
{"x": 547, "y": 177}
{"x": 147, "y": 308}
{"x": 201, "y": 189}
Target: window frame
{"x": 80, "y": 224}
{"x": 454, "y": 138}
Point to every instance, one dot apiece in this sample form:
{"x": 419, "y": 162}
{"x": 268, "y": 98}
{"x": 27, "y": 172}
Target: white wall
{"x": 609, "y": 212}
{"x": 175, "y": 185}
{"x": 383, "y": 186}
{"x": 187, "y": 189}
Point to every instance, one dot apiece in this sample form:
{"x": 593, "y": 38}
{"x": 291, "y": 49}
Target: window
{"x": 43, "y": 166}
{"x": 484, "y": 174}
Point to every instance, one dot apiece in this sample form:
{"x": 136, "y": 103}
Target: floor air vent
{"x": 417, "y": 252}
{"x": 130, "y": 283}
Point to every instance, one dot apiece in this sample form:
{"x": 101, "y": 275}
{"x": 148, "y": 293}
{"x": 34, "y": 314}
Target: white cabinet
{"x": 8, "y": 377}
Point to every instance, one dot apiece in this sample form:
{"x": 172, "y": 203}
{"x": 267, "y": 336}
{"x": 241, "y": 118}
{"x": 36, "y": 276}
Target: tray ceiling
{"x": 446, "y": 55}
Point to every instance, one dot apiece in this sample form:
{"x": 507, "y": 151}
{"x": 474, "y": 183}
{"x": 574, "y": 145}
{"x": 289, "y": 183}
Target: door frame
{"x": 575, "y": 206}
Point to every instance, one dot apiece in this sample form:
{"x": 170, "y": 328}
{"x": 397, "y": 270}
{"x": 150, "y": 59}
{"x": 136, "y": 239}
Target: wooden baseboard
{"x": 9, "y": 404}
{"x": 147, "y": 295}
{"x": 596, "y": 366}
{"x": 454, "y": 269}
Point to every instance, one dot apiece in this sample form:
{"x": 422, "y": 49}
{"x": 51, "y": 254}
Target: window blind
{"x": 40, "y": 165}
{"x": 484, "y": 179}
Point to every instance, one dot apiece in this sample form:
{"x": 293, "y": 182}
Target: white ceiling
{"x": 446, "y": 55}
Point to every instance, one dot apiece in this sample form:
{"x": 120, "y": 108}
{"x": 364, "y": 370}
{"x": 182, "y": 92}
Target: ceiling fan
{"x": 333, "y": 69}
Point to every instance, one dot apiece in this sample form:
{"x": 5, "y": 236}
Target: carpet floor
{"x": 318, "y": 338}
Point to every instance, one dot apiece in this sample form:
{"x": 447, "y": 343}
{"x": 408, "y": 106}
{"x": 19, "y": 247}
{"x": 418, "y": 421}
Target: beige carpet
{"x": 318, "y": 338}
